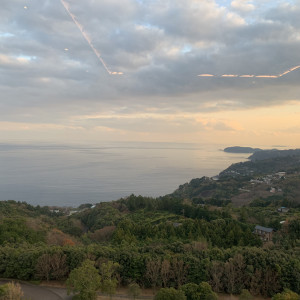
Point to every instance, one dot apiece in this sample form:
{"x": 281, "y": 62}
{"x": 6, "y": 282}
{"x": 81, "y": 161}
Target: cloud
{"x": 243, "y": 5}
{"x": 161, "y": 46}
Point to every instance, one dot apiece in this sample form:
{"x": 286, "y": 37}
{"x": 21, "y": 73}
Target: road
{"x": 38, "y": 292}
{"x": 35, "y": 292}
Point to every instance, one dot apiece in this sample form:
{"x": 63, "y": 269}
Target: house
{"x": 264, "y": 233}
{"x": 283, "y": 209}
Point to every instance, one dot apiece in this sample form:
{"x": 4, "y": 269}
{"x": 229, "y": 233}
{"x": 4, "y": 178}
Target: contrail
{"x": 87, "y": 38}
{"x": 251, "y": 76}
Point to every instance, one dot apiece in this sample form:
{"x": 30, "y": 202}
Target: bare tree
{"x": 234, "y": 272}
{"x": 153, "y": 272}
{"x": 43, "y": 266}
{"x": 165, "y": 272}
{"x": 229, "y": 272}
{"x": 179, "y": 271}
{"x": 216, "y": 274}
{"x": 51, "y": 265}
{"x": 59, "y": 266}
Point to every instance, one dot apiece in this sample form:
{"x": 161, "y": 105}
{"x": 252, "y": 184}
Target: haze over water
{"x": 71, "y": 175}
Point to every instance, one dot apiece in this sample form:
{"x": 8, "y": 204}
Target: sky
{"x": 204, "y": 71}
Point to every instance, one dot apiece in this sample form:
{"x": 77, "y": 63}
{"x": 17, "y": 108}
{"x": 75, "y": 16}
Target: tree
{"x": 109, "y": 281}
{"x": 134, "y": 290}
{"x": 51, "y": 266}
{"x": 170, "y": 294}
{"x": 165, "y": 272}
{"x": 179, "y": 271}
{"x": 43, "y": 266}
{"x": 206, "y": 292}
{"x": 191, "y": 291}
{"x": 85, "y": 280}
{"x": 216, "y": 274}
{"x": 234, "y": 271}
{"x": 59, "y": 266}
{"x": 152, "y": 272}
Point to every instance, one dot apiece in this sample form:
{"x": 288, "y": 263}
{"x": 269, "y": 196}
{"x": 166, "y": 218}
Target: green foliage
{"x": 84, "y": 280}
{"x": 71, "y": 226}
{"x": 206, "y": 292}
{"x": 169, "y": 294}
{"x": 102, "y": 215}
{"x": 245, "y": 295}
{"x": 294, "y": 228}
{"x": 163, "y": 242}
{"x": 14, "y": 230}
{"x": 13, "y": 208}
{"x": 191, "y": 291}
{"x": 286, "y": 295}
{"x": 109, "y": 282}
{"x": 203, "y": 291}
{"x": 3, "y": 289}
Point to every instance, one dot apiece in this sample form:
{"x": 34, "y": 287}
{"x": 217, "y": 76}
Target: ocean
{"x": 70, "y": 175}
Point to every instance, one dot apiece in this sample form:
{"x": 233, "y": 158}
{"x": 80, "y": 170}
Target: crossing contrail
{"x": 251, "y": 76}
{"x": 87, "y": 38}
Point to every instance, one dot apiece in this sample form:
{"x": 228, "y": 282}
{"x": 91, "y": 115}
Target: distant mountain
{"x": 267, "y": 154}
{"x": 238, "y": 149}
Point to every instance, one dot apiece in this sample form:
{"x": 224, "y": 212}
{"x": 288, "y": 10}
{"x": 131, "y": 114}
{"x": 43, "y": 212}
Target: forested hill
{"x": 257, "y": 166}
{"x": 276, "y": 179}
{"x": 198, "y": 240}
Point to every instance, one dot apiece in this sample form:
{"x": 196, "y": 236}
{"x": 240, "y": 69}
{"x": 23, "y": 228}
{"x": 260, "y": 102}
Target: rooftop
{"x": 266, "y": 229}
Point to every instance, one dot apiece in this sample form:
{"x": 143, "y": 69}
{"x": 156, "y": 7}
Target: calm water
{"x": 72, "y": 175}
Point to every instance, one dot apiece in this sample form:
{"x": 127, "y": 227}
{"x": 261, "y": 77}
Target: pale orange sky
{"x": 267, "y": 126}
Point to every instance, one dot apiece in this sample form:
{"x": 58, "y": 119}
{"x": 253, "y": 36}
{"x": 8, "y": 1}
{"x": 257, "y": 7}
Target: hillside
{"x": 203, "y": 232}
{"x": 276, "y": 178}
{"x": 274, "y": 153}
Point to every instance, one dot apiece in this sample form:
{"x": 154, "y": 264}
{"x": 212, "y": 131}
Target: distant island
{"x": 238, "y": 149}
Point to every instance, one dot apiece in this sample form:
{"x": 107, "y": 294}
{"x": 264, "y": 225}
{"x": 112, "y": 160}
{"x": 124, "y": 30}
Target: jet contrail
{"x": 87, "y": 38}
{"x": 251, "y": 76}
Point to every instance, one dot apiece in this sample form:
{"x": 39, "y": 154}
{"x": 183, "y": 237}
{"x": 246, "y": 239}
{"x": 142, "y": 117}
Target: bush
{"x": 170, "y": 294}
{"x": 11, "y": 291}
{"x": 203, "y": 291}
{"x": 286, "y": 295}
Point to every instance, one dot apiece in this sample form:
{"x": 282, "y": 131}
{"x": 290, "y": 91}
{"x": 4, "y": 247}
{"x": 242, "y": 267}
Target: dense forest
{"x": 197, "y": 241}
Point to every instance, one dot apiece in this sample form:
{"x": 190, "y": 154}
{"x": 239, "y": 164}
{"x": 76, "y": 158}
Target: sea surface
{"x": 69, "y": 175}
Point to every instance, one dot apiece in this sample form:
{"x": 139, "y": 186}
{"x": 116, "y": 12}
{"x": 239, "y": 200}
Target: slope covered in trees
{"x": 190, "y": 241}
